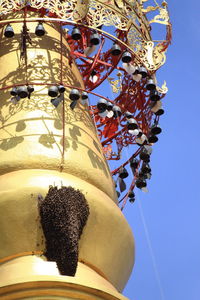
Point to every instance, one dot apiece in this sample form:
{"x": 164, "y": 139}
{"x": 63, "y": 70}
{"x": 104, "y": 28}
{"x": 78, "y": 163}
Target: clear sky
{"x": 168, "y": 255}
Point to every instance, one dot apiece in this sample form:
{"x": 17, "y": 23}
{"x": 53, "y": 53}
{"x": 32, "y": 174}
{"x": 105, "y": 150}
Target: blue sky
{"x": 171, "y": 209}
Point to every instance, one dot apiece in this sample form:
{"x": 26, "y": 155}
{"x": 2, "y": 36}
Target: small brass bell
{"x": 102, "y": 105}
{"x": 117, "y": 111}
{"x": 116, "y": 50}
{"x": 145, "y": 153}
{"x": 84, "y": 95}
{"x": 134, "y": 163}
{"x": 150, "y": 86}
{"x": 123, "y": 173}
{"x": 132, "y": 124}
{"x": 13, "y": 92}
{"x": 109, "y": 106}
{"x": 126, "y": 57}
{"x": 155, "y": 129}
{"x": 140, "y": 183}
{"x": 53, "y": 91}
{"x": 154, "y": 96}
{"x": 94, "y": 39}
{"x": 153, "y": 139}
{"x": 9, "y": 32}
{"x": 22, "y": 91}
{"x": 39, "y": 30}
{"x": 74, "y": 95}
{"x": 143, "y": 72}
{"x": 159, "y": 112}
{"x": 128, "y": 115}
{"x": 61, "y": 89}
{"x": 145, "y": 168}
{"x": 76, "y": 34}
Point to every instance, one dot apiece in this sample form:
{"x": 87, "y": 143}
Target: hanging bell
{"x": 159, "y": 112}
{"x": 102, "y": 104}
{"x": 84, "y": 96}
{"x": 30, "y": 89}
{"x": 140, "y": 183}
{"x": 53, "y": 91}
{"x": 145, "y": 168}
{"x": 128, "y": 115}
{"x": 123, "y": 173}
{"x": 145, "y": 153}
{"x": 136, "y": 72}
{"x": 141, "y": 140}
{"x": 117, "y": 111}
{"x": 126, "y": 57}
{"x": 131, "y": 194}
{"x": 156, "y": 108}
{"x": 116, "y": 50}
{"x": 61, "y": 89}
{"x": 109, "y": 106}
{"x": 22, "y": 91}
{"x": 39, "y": 30}
{"x": 150, "y": 86}
{"x": 94, "y": 39}
{"x": 9, "y": 32}
{"x": 142, "y": 175}
{"x": 154, "y": 96}
{"x": 153, "y": 139}
{"x": 134, "y": 163}
{"x": 74, "y": 95}
{"x": 76, "y": 34}
{"x": 143, "y": 72}
{"x": 155, "y": 129}
{"x": 56, "y": 101}
{"x": 145, "y": 175}
{"x": 13, "y": 92}
{"x": 132, "y": 124}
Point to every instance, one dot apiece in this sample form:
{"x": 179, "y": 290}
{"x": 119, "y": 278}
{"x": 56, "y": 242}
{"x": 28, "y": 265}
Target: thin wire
{"x": 157, "y": 275}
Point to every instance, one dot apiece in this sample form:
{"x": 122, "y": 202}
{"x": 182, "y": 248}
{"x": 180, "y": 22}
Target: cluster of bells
{"x": 94, "y": 37}
{"x": 141, "y": 138}
{"x": 140, "y": 72}
{"x": 137, "y": 72}
{"x": 21, "y": 92}
{"x": 141, "y": 175}
{"x": 9, "y": 31}
{"x": 105, "y": 107}
{"x": 108, "y": 109}
{"x": 56, "y": 92}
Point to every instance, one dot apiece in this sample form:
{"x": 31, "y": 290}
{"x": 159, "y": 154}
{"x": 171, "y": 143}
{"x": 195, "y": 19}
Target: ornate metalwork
{"x": 127, "y": 16}
{"x": 129, "y": 21}
{"x": 116, "y": 84}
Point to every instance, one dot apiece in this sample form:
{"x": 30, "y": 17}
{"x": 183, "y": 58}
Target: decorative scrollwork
{"x": 125, "y": 15}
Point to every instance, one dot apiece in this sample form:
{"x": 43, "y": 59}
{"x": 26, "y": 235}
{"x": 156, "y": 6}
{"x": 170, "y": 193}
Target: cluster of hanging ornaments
{"x": 108, "y": 109}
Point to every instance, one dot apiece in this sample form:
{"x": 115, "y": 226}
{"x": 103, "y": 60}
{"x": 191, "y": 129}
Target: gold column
{"x": 37, "y": 151}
